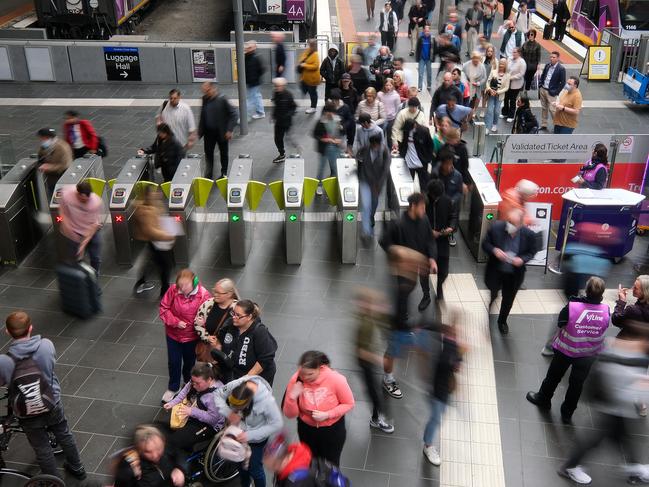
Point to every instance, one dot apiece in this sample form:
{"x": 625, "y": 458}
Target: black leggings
{"x": 193, "y": 432}
{"x": 373, "y": 388}
{"x": 325, "y": 441}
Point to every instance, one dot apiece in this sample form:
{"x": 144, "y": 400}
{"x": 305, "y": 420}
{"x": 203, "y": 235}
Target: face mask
{"x": 568, "y": 87}
{"x": 46, "y": 144}
{"x": 511, "y": 229}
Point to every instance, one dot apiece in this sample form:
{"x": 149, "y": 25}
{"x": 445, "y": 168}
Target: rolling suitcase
{"x": 547, "y": 30}
{"x": 80, "y": 294}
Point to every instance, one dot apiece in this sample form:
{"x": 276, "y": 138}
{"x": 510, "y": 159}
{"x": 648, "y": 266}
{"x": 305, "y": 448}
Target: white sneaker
{"x": 494, "y": 129}
{"x": 432, "y": 456}
{"x": 501, "y": 116}
{"x": 576, "y": 474}
{"x": 257, "y": 116}
{"x": 510, "y": 120}
{"x": 168, "y": 396}
{"x": 637, "y": 472}
{"x": 145, "y": 286}
{"x": 309, "y": 110}
{"x": 382, "y": 424}
{"x": 318, "y": 191}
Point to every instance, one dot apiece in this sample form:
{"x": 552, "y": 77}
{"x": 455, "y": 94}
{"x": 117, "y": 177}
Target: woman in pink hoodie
{"x": 319, "y": 397}
{"x": 177, "y": 311}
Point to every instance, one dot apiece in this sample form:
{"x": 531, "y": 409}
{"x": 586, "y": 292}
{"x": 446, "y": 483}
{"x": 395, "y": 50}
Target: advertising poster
{"x": 203, "y": 65}
{"x": 541, "y": 216}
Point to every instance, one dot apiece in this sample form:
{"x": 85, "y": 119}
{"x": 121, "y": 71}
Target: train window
{"x": 590, "y": 9}
{"x": 634, "y": 14}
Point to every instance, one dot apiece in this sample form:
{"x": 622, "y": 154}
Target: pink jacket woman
{"x": 177, "y": 307}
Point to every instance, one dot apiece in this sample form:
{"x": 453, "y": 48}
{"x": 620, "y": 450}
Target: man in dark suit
{"x": 509, "y": 245}
{"x": 561, "y": 16}
{"x": 552, "y": 81}
{"x": 218, "y": 119}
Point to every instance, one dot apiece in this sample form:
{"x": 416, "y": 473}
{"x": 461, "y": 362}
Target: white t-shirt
{"x": 180, "y": 119}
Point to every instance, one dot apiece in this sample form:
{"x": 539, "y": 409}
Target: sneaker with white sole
{"x": 501, "y": 116}
{"x": 145, "y": 286}
{"x": 168, "y": 395}
{"x": 576, "y": 474}
{"x": 432, "y": 455}
{"x": 279, "y": 159}
{"x": 382, "y": 425}
{"x": 258, "y": 116}
{"x": 309, "y": 110}
{"x": 451, "y": 240}
{"x": 547, "y": 351}
{"x": 393, "y": 389}
{"x": 318, "y": 191}
{"x": 494, "y": 128}
{"x": 510, "y": 120}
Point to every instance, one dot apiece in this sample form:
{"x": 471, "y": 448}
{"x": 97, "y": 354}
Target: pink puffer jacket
{"x": 176, "y": 307}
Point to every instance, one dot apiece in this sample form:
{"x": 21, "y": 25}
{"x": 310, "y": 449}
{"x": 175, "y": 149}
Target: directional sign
{"x": 122, "y": 63}
{"x": 295, "y": 10}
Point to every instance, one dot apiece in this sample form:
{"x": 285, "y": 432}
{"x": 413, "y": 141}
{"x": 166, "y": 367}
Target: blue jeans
{"x": 180, "y": 358}
{"x": 425, "y": 64}
{"x": 560, "y": 129}
{"x": 488, "y": 24}
{"x": 493, "y": 109}
{"x": 330, "y": 155}
{"x": 255, "y": 103}
{"x": 255, "y": 467}
{"x": 437, "y": 410}
{"x": 369, "y": 203}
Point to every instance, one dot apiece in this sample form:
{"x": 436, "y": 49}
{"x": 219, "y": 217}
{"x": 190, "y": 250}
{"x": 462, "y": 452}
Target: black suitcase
{"x": 80, "y": 294}
{"x": 547, "y": 30}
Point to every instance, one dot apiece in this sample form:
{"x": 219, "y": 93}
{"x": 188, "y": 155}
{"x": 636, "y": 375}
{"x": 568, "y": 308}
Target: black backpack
{"x": 30, "y": 393}
{"x": 322, "y": 473}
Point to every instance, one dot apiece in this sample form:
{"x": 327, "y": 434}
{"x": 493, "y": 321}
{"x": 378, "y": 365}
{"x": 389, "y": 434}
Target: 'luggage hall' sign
{"x": 122, "y": 63}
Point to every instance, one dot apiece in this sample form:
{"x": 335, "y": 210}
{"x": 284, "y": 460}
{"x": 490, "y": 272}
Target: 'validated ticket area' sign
{"x": 122, "y": 63}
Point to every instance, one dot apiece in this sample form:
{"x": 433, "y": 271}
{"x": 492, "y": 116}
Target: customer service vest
{"x": 583, "y": 336}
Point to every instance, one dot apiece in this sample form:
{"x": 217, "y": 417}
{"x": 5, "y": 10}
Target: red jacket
{"x": 88, "y": 134}
{"x": 176, "y": 307}
{"x": 301, "y": 459}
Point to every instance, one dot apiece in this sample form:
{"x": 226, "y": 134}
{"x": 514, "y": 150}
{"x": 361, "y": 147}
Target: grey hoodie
{"x": 362, "y": 138}
{"x": 264, "y": 420}
{"x": 42, "y": 351}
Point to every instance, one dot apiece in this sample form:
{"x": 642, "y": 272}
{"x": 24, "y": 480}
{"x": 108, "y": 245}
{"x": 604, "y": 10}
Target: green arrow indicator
{"x": 349, "y": 217}
{"x": 490, "y": 216}
{"x": 292, "y": 217}
{"x": 235, "y": 218}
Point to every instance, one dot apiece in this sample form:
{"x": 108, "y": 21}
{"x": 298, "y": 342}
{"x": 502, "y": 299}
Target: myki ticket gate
{"x": 343, "y": 192}
{"x": 21, "y": 190}
{"x": 292, "y": 194}
{"x": 482, "y": 208}
{"x": 182, "y": 207}
{"x": 241, "y": 190}
{"x": 400, "y": 187}
{"x": 125, "y": 189}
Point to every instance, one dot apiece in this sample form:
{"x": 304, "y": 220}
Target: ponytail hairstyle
{"x": 240, "y": 399}
{"x": 313, "y": 359}
{"x": 249, "y": 307}
{"x": 204, "y": 370}
{"x": 229, "y": 287}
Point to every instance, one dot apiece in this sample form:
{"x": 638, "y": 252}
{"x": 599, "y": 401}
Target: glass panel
{"x": 7, "y": 154}
{"x": 634, "y": 14}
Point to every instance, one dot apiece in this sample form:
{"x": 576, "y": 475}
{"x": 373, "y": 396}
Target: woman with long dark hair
{"x": 594, "y": 173}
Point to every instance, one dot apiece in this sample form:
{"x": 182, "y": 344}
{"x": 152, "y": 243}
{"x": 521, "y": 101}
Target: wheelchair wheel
{"x": 216, "y": 469}
{"x": 44, "y": 480}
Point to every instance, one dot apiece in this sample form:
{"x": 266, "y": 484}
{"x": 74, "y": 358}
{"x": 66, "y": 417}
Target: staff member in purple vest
{"x": 594, "y": 173}
{"x": 582, "y": 322}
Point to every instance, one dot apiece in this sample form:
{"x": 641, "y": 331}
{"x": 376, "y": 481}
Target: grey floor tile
{"x": 75, "y": 351}
{"x": 145, "y": 334}
{"x": 393, "y": 455}
{"x": 105, "y": 355}
{"x": 94, "y": 452}
{"x": 115, "y": 330}
{"x": 117, "y": 386}
{"x": 75, "y": 378}
{"x": 114, "y": 418}
{"x": 363, "y": 478}
{"x": 90, "y": 329}
{"x": 156, "y": 363}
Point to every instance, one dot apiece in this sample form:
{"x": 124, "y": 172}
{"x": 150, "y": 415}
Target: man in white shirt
{"x": 388, "y": 26}
{"x": 522, "y": 18}
{"x": 511, "y": 38}
{"x": 178, "y": 115}
{"x": 517, "y": 67}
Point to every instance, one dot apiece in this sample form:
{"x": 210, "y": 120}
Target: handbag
{"x": 203, "y": 349}
{"x": 176, "y": 421}
{"x": 535, "y": 82}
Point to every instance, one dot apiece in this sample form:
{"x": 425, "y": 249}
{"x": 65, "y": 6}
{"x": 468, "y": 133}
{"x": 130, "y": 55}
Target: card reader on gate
{"x": 349, "y": 196}
{"x": 118, "y": 196}
{"x": 177, "y": 196}
{"x": 292, "y": 195}
{"x": 404, "y": 193}
{"x": 235, "y": 195}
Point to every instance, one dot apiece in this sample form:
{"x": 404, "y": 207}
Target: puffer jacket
{"x": 176, "y": 307}
{"x": 330, "y": 393}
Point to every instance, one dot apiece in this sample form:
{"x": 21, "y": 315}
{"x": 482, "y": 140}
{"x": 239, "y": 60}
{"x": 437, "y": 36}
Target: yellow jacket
{"x": 310, "y": 75}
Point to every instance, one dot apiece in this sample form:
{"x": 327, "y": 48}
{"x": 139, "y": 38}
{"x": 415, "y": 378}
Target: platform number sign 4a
{"x": 295, "y": 10}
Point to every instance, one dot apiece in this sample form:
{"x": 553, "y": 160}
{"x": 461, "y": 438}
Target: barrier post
{"x": 615, "y": 144}
{"x": 241, "y": 66}
{"x": 564, "y": 243}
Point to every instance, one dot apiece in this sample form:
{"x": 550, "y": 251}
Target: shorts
{"x": 399, "y": 339}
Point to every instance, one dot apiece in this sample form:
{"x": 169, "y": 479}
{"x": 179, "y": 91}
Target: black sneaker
{"x": 424, "y": 303}
{"x": 393, "y": 389}
{"x": 451, "y": 240}
{"x": 77, "y": 474}
{"x": 504, "y": 328}
{"x": 279, "y": 159}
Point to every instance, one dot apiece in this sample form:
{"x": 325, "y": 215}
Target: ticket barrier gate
{"x": 343, "y": 192}
{"x": 126, "y": 188}
{"x": 182, "y": 206}
{"x": 292, "y": 194}
{"x": 89, "y": 167}
{"x": 241, "y": 190}
{"x": 400, "y": 188}
{"x": 21, "y": 190}
{"x": 482, "y": 208}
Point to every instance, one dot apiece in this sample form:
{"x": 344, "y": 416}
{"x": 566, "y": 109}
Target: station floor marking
{"x": 155, "y": 102}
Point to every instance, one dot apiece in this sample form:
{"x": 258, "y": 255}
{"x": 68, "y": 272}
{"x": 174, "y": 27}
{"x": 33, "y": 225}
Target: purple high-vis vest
{"x": 589, "y": 174}
{"x": 583, "y": 336}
